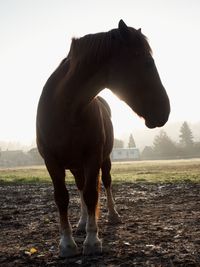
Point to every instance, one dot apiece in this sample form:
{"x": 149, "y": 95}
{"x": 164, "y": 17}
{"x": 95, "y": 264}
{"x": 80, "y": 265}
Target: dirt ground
{"x": 161, "y": 226}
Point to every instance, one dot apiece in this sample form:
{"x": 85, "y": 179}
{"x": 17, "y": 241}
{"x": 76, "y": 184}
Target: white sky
{"x": 35, "y": 35}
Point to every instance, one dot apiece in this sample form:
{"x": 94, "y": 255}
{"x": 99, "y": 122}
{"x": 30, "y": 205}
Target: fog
{"x": 36, "y": 35}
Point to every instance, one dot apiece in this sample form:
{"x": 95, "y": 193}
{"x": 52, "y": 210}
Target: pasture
{"x": 159, "y": 202}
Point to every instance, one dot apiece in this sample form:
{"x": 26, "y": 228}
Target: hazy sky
{"x": 36, "y": 34}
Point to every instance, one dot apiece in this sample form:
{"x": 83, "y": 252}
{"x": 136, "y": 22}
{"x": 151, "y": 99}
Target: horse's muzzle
{"x": 152, "y": 125}
{"x": 157, "y": 123}
{"x": 159, "y": 116}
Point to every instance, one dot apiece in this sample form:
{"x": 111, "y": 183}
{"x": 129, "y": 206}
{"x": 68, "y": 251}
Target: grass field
{"x": 139, "y": 171}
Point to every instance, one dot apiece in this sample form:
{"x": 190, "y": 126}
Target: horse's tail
{"x": 97, "y": 211}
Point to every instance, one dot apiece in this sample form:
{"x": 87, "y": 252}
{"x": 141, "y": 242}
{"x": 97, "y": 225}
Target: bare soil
{"x": 161, "y": 226}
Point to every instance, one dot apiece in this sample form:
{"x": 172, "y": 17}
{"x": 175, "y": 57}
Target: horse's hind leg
{"x": 79, "y": 179}
{"x": 113, "y": 216}
{"x": 67, "y": 244}
{"x": 92, "y": 243}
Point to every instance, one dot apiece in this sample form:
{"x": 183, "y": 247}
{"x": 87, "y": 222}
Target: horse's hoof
{"x": 114, "y": 218}
{"x": 67, "y": 251}
{"x": 92, "y": 249}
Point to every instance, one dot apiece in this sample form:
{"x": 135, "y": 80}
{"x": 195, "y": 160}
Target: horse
{"x": 73, "y": 125}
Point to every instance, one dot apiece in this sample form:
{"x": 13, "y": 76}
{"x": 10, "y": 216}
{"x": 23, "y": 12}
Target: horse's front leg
{"x": 92, "y": 243}
{"x": 67, "y": 246}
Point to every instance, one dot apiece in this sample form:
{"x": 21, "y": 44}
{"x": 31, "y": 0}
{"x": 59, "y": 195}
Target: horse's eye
{"x": 149, "y": 62}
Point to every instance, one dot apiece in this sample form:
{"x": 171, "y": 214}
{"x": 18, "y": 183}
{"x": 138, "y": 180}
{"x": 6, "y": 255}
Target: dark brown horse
{"x": 74, "y": 129}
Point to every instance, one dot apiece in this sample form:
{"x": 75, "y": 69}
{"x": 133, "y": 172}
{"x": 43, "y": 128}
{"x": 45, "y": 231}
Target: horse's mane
{"x": 94, "y": 49}
{"x": 91, "y": 48}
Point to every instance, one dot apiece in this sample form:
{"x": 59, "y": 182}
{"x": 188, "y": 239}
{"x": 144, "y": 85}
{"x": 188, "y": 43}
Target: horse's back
{"x": 107, "y": 125}
{"x": 105, "y": 104}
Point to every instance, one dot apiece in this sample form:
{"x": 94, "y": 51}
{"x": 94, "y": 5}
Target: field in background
{"x": 138, "y": 171}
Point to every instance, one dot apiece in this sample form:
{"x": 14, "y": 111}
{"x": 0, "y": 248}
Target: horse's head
{"x": 133, "y": 76}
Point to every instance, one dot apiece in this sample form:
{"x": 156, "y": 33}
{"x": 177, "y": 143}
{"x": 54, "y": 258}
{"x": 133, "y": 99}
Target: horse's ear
{"x": 139, "y": 30}
{"x": 124, "y": 30}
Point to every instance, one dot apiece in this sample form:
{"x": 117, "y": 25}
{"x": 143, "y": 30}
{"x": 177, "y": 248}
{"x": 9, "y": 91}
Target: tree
{"x": 186, "y": 136}
{"x": 118, "y": 143}
{"x": 131, "y": 142}
{"x": 164, "y": 146}
{"x": 148, "y": 153}
{"x": 35, "y": 157}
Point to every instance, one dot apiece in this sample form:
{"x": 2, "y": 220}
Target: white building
{"x": 123, "y": 154}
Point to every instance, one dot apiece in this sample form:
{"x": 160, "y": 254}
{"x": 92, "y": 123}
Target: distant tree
{"x": 196, "y": 149}
{"x": 131, "y": 142}
{"x": 35, "y": 157}
{"x": 164, "y": 146}
{"x": 148, "y": 153}
{"x": 186, "y": 136}
{"x": 118, "y": 143}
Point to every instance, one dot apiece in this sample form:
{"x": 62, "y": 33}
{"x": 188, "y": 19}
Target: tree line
{"x": 120, "y": 143}
{"x": 165, "y": 148}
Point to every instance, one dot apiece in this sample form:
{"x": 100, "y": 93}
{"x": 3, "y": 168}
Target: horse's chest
{"x": 79, "y": 141}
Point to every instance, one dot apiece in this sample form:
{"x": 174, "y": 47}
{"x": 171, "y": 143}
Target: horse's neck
{"x": 59, "y": 73}
{"x": 79, "y": 91}
{"x": 55, "y": 78}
